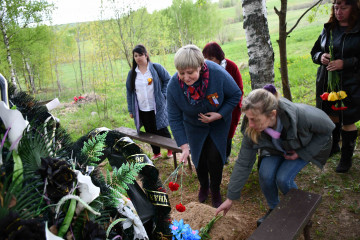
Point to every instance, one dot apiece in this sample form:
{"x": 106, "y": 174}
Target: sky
{"x": 71, "y": 11}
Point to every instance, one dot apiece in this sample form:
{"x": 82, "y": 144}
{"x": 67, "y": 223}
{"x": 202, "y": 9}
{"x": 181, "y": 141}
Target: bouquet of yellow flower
{"x": 334, "y": 84}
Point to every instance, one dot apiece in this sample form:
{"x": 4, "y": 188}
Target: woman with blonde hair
{"x": 201, "y": 97}
{"x": 289, "y": 136}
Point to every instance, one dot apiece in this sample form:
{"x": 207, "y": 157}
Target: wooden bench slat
{"x": 153, "y": 139}
{"x": 289, "y": 218}
{"x": 150, "y": 138}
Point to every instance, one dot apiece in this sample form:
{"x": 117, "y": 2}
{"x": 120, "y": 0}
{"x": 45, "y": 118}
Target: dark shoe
{"x": 347, "y": 150}
{"x": 216, "y": 198}
{"x": 335, "y": 138}
{"x": 260, "y": 220}
{"x": 203, "y": 194}
{"x": 227, "y": 161}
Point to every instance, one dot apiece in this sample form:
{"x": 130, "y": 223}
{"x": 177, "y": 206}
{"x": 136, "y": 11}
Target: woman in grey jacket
{"x": 289, "y": 135}
{"x": 146, "y": 86}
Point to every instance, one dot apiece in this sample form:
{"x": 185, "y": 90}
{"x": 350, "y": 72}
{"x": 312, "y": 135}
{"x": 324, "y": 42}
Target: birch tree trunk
{"x": 8, "y": 52}
{"x": 260, "y": 51}
{"x": 80, "y": 61}
{"x": 31, "y": 77}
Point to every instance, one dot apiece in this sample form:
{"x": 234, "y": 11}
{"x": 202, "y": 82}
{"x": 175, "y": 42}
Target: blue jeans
{"x": 276, "y": 173}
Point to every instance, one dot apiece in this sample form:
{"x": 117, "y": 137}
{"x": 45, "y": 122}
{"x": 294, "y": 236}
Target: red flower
{"x": 81, "y": 97}
{"x": 338, "y": 108}
{"x": 76, "y": 99}
{"x": 173, "y": 186}
{"x": 180, "y": 208}
{"x": 324, "y": 96}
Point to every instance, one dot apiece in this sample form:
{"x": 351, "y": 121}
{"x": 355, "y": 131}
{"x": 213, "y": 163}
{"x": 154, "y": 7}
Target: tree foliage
{"x": 16, "y": 15}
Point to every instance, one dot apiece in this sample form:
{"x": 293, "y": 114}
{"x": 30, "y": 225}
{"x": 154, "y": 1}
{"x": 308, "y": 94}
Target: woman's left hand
{"x": 291, "y": 155}
{"x": 209, "y": 117}
{"x": 334, "y": 65}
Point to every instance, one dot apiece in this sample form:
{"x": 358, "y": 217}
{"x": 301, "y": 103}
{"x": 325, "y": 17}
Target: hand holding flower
{"x": 325, "y": 59}
{"x": 184, "y": 153}
{"x": 335, "y": 65}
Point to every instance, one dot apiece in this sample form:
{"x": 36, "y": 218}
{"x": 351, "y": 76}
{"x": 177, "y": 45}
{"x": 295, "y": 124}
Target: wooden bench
{"x": 154, "y": 139}
{"x": 289, "y": 218}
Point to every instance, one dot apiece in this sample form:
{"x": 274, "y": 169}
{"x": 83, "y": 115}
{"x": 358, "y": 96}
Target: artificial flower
{"x": 333, "y": 96}
{"x": 13, "y": 119}
{"x": 127, "y": 209}
{"x": 173, "y": 186}
{"x": 149, "y": 81}
{"x": 59, "y": 176}
{"x": 180, "y": 208}
{"x": 178, "y": 228}
{"x": 49, "y": 235}
{"x": 88, "y": 191}
{"x": 183, "y": 231}
{"x": 341, "y": 95}
{"x": 191, "y": 234}
{"x": 324, "y": 96}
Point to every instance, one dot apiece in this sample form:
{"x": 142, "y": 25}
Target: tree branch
{"x": 297, "y": 22}
{"x": 276, "y": 11}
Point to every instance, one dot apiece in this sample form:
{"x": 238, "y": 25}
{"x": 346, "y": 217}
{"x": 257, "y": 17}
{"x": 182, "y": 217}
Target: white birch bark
{"x": 260, "y": 51}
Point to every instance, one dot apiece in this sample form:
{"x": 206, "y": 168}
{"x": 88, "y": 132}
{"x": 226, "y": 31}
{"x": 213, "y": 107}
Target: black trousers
{"x": 228, "y": 147}
{"x": 149, "y": 122}
{"x": 210, "y": 164}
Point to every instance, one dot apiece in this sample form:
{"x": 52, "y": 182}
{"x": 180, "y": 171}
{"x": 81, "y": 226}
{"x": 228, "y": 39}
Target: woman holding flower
{"x": 201, "y": 97}
{"x": 146, "y": 86}
{"x": 337, "y": 50}
{"x": 288, "y": 135}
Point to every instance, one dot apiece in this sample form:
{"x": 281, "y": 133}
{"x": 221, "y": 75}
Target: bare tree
{"x": 283, "y": 34}
{"x": 260, "y": 51}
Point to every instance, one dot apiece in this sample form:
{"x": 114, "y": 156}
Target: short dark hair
{"x": 212, "y": 49}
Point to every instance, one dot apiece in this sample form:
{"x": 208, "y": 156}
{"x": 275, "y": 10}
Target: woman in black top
{"x": 342, "y": 33}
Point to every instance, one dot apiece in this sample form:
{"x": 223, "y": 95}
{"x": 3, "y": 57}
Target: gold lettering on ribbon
{"x": 158, "y": 198}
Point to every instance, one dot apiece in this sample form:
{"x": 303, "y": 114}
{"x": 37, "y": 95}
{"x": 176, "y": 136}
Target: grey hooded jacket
{"x": 306, "y": 129}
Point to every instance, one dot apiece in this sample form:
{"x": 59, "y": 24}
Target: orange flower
{"x": 150, "y": 81}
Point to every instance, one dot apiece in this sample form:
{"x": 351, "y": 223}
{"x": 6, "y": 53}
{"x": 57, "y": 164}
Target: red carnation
{"x": 338, "y": 108}
{"x": 173, "y": 186}
{"x": 76, "y": 99}
{"x": 180, "y": 208}
{"x": 81, "y": 97}
{"x": 324, "y": 96}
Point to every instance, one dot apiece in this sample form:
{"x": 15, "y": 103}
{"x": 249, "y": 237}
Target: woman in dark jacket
{"x": 146, "y": 86}
{"x": 343, "y": 30}
{"x": 289, "y": 135}
{"x": 213, "y": 52}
